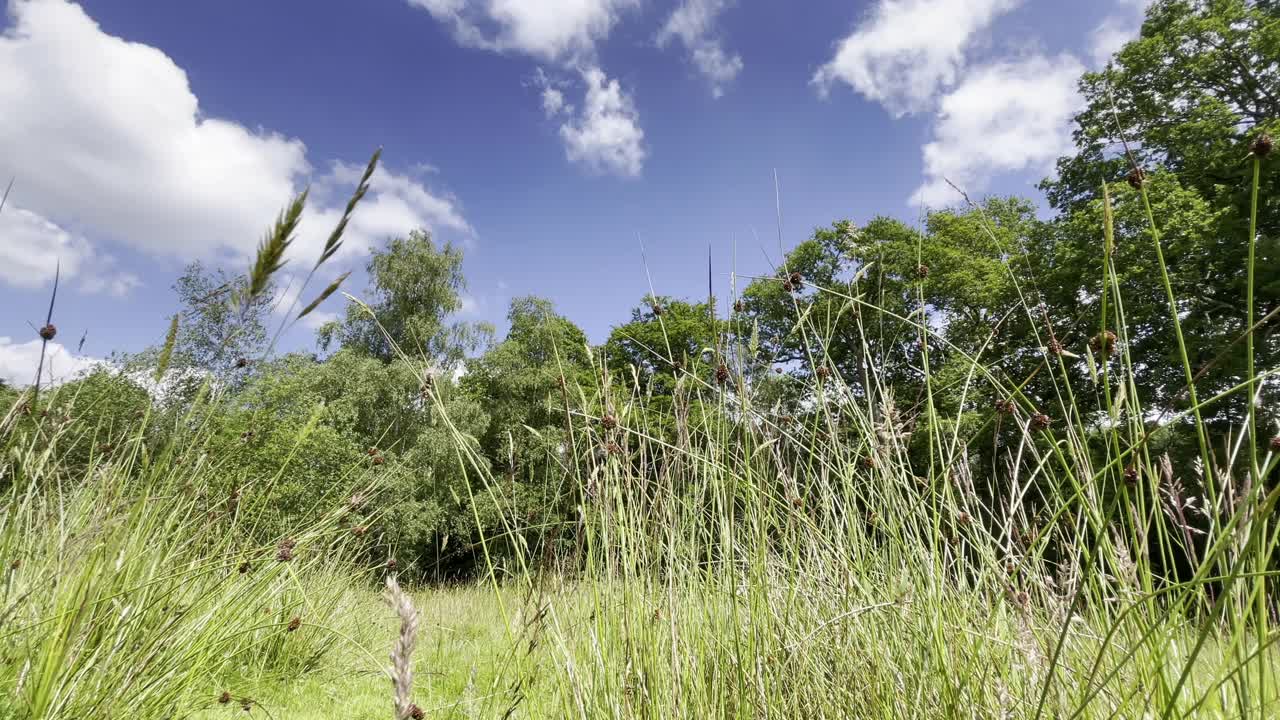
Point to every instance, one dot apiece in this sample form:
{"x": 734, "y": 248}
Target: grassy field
{"x": 728, "y": 562}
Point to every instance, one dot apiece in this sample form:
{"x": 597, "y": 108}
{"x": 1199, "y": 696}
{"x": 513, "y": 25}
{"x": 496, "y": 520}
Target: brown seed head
{"x": 284, "y": 551}
{"x": 1104, "y": 343}
{"x": 1136, "y": 178}
{"x": 416, "y": 712}
{"x": 608, "y": 422}
{"x": 294, "y": 624}
{"x": 739, "y": 306}
{"x": 392, "y": 564}
{"x": 242, "y": 362}
{"x": 796, "y": 280}
{"x": 359, "y": 530}
{"x": 1055, "y": 347}
{"x": 1004, "y": 407}
{"x": 378, "y": 460}
{"x": 1040, "y": 421}
{"x": 922, "y": 271}
{"x": 1131, "y": 475}
{"x": 1261, "y": 146}
{"x": 657, "y": 309}
{"x": 964, "y": 518}
{"x": 245, "y": 567}
{"x": 48, "y": 332}
{"x": 1275, "y": 444}
{"x": 823, "y": 372}
{"x": 722, "y": 374}
{"x": 224, "y": 698}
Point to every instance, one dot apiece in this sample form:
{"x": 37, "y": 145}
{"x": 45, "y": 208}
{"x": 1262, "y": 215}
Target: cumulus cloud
{"x": 907, "y": 51}
{"x": 693, "y": 24}
{"x": 605, "y": 136}
{"x": 1004, "y": 117}
{"x": 603, "y": 133}
{"x": 547, "y": 29}
{"x": 108, "y": 137}
{"x": 32, "y": 247}
{"x": 1116, "y": 29}
{"x": 18, "y": 362}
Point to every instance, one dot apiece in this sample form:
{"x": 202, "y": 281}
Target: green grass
{"x": 730, "y": 561}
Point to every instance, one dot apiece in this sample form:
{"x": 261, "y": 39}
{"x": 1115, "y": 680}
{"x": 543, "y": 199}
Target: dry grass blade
{"x": 333, "y": 287}
{"x": 334, "y": 242}
{"x": 402, "y": 652}
{"x": 166, "y": 352}
{"x": 4, "y": 198}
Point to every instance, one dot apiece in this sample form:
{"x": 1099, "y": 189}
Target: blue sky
{"x": 545, "y": 137}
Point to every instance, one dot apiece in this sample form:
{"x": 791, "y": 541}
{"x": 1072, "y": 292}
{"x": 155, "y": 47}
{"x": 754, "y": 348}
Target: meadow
{"x": 988, "y": 466}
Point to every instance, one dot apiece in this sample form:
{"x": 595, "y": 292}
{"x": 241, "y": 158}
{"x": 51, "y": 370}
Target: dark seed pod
{"x": 1055, "y": 347}
{"x": 657, "y": 309}
{"x": 1004, "y": 407}
{"x": 722, "y": 374}
{"x": 1261, "y": 146}
{"x": 1136, "y": 178}
{"x": 359, "y": 530}
{"x": 822, "y": 372}
{"x": 1275, "y": 444}
{"x": 48, "y": 332}
{"x": 242, "y": 362}
{"x": 964, "y": 519}
{"x": 796, "y": 281}
{"x": 294, "y": 624}
{"x": 922, "y": 271}
{"x": 224, "y": 698}
{"x": 1131, "y": 475}
{"x": 378, "y": 460}
{"x": 244, "y": 568}
{"x": 1040, "y": 421}
{"x": 739, "y": 306}
{"x": 608, "y": 422}
{"x": 1104, "y": 343}
{"x": 416, "y": 712}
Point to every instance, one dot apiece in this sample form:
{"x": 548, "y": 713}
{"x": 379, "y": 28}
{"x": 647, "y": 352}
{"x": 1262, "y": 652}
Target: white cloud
{"x": 18, "y": 362}
{"x": 546, "y": 29}
{"x": 907, "y": 51}
{"x": 606, "y": 136}
{"x": 1116, "y": 29}
{"x": 1004, "y": 117}
{"x": 396, "y": 204}
{"x": 31, "y": 249}
{"x": 693, "y": 23}
{"x": 107, "y": 136}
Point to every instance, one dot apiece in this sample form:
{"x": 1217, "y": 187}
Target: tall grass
{"x": 730, "y": 560}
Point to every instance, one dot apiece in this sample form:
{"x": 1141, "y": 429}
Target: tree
{"x": 665, "y": 339}
{"x": 1184, "y": 102}
{"x": 414, "y": 286}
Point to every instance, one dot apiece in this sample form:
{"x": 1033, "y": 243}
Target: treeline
{"x": 1144, "y": 260}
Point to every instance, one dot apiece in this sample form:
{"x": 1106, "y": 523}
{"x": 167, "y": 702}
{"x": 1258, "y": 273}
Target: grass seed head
{"x": 224, "y": 698}
{"x": 1261, "y": 146}
{"x": 48, "y": 332}
{"x": 1136, "y": 178}
{"x": 1104, "y": 343}
{"x": 922, "y": 271}
{"x": 796, "y": 280}
{"x": 722, "y": 374}
{"x": 1040, "y": 421}
{"x": 294, "y": 624}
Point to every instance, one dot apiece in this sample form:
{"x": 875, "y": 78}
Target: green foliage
{"x": 414, "y": 286}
